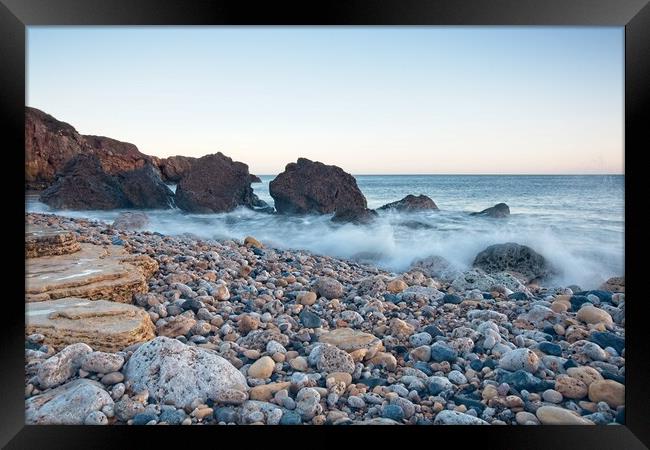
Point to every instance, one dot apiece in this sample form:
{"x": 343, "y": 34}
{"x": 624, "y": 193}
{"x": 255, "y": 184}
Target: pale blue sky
{"x": 369, "y": 99}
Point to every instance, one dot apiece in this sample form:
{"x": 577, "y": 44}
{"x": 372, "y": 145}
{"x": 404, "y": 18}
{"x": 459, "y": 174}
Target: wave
{"x": 585, "y": 254}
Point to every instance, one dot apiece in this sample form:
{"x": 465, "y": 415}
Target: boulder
{"x": 513, "y": 257}
{"x": 48, "y": 241}
{"x": 69, "y": 404}
{"x": 215, "y": 183}
{"x": 498, "y": 211}
{"x": 313, "y": 187}
{"x": 103, "y": 325}
{"x": 131, "y": 221}
{"x": 411, "y": 203}
{"x": 108, "y": 273}
{"x": 178, "y": 374}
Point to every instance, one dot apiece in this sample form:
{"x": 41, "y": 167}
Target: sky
{"x": 372, "y": 100}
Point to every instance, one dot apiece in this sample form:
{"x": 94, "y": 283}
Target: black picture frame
{"x": 634, "y": 15}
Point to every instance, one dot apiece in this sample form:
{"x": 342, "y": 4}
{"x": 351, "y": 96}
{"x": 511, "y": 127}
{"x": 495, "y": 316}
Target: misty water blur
{"x": 576, "y": 222}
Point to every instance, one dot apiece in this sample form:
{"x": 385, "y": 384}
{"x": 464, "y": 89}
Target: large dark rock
{"x": 512, "y": 257}
{"x": 50, "y": 144}
{"x": 412, "y": 203}
{"x": 83, "y": 184}
{"x": 144, "y": 188}
{"x": 498, "y": 211}
{"x": 313, "y": 187}
{"x": 216, "y": 183}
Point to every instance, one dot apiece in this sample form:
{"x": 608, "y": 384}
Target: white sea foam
{"x": 581, "y": 237}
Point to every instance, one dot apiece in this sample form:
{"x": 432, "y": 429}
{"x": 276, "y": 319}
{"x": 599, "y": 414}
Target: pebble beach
{"x": 239, "y": 332}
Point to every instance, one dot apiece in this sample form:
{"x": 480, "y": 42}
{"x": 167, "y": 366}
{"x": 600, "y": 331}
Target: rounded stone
{"x": 552, "y": 396}
{"x": 585, "y": 374}
{"x": 608, "y": 391}
{"x": 262, "y": 368}
{"x": 519, "y": 359}
{"x": 570, "y": 387}
{"x": 593, "y": 315}
{"x": 554, "y": 415}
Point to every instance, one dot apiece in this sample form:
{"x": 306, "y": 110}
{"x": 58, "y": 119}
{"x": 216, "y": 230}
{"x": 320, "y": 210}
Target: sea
{"x": 577, "y": 222}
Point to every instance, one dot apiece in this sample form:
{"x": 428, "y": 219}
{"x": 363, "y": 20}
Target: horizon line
{"x": 469, "y": 174}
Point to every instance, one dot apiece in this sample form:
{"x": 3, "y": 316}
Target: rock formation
{"x": 313, "y": 187}
{"x": 50, "y": 144}
{"x": 83, "y": 184}
{"x": 515, "y": 258}
{"x": 104, "y": 325}
{"x": 44, "y": 241}
{"x": 106, "y": 273}
{"x": 216, "y": 183}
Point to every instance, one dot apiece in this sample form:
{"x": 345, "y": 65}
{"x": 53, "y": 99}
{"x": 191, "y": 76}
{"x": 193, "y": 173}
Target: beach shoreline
{"x": 415, "y": 349}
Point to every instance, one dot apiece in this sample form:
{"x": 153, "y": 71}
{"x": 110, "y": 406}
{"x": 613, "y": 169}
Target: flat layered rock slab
{"x": 48, "y": 241}
{"x": 104, "y": 325}
{"x": 94, "y": 272}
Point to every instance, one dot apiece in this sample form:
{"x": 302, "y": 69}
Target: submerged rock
{"x": 411, "y": 203}
{"x": 515, "y": 258}
{"x": 498, "y": 211}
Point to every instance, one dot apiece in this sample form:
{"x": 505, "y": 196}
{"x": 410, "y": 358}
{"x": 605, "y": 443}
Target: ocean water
{"x": 576, "y": 222}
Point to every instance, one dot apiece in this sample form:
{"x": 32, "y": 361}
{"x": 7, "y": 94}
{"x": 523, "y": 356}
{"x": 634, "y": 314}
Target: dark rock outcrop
{"x": 412, "y": 203}
{"x": 255, "y": 179}
{"x": 356, "y": 216}
{"x": 511, "y": 257}
{"x": 216, "y": 183}
{"x": 83, "y": 184}
{"x": 498, "y": 211}
{"x": 50, "y": 144}
{"x": 313, "y": 187}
